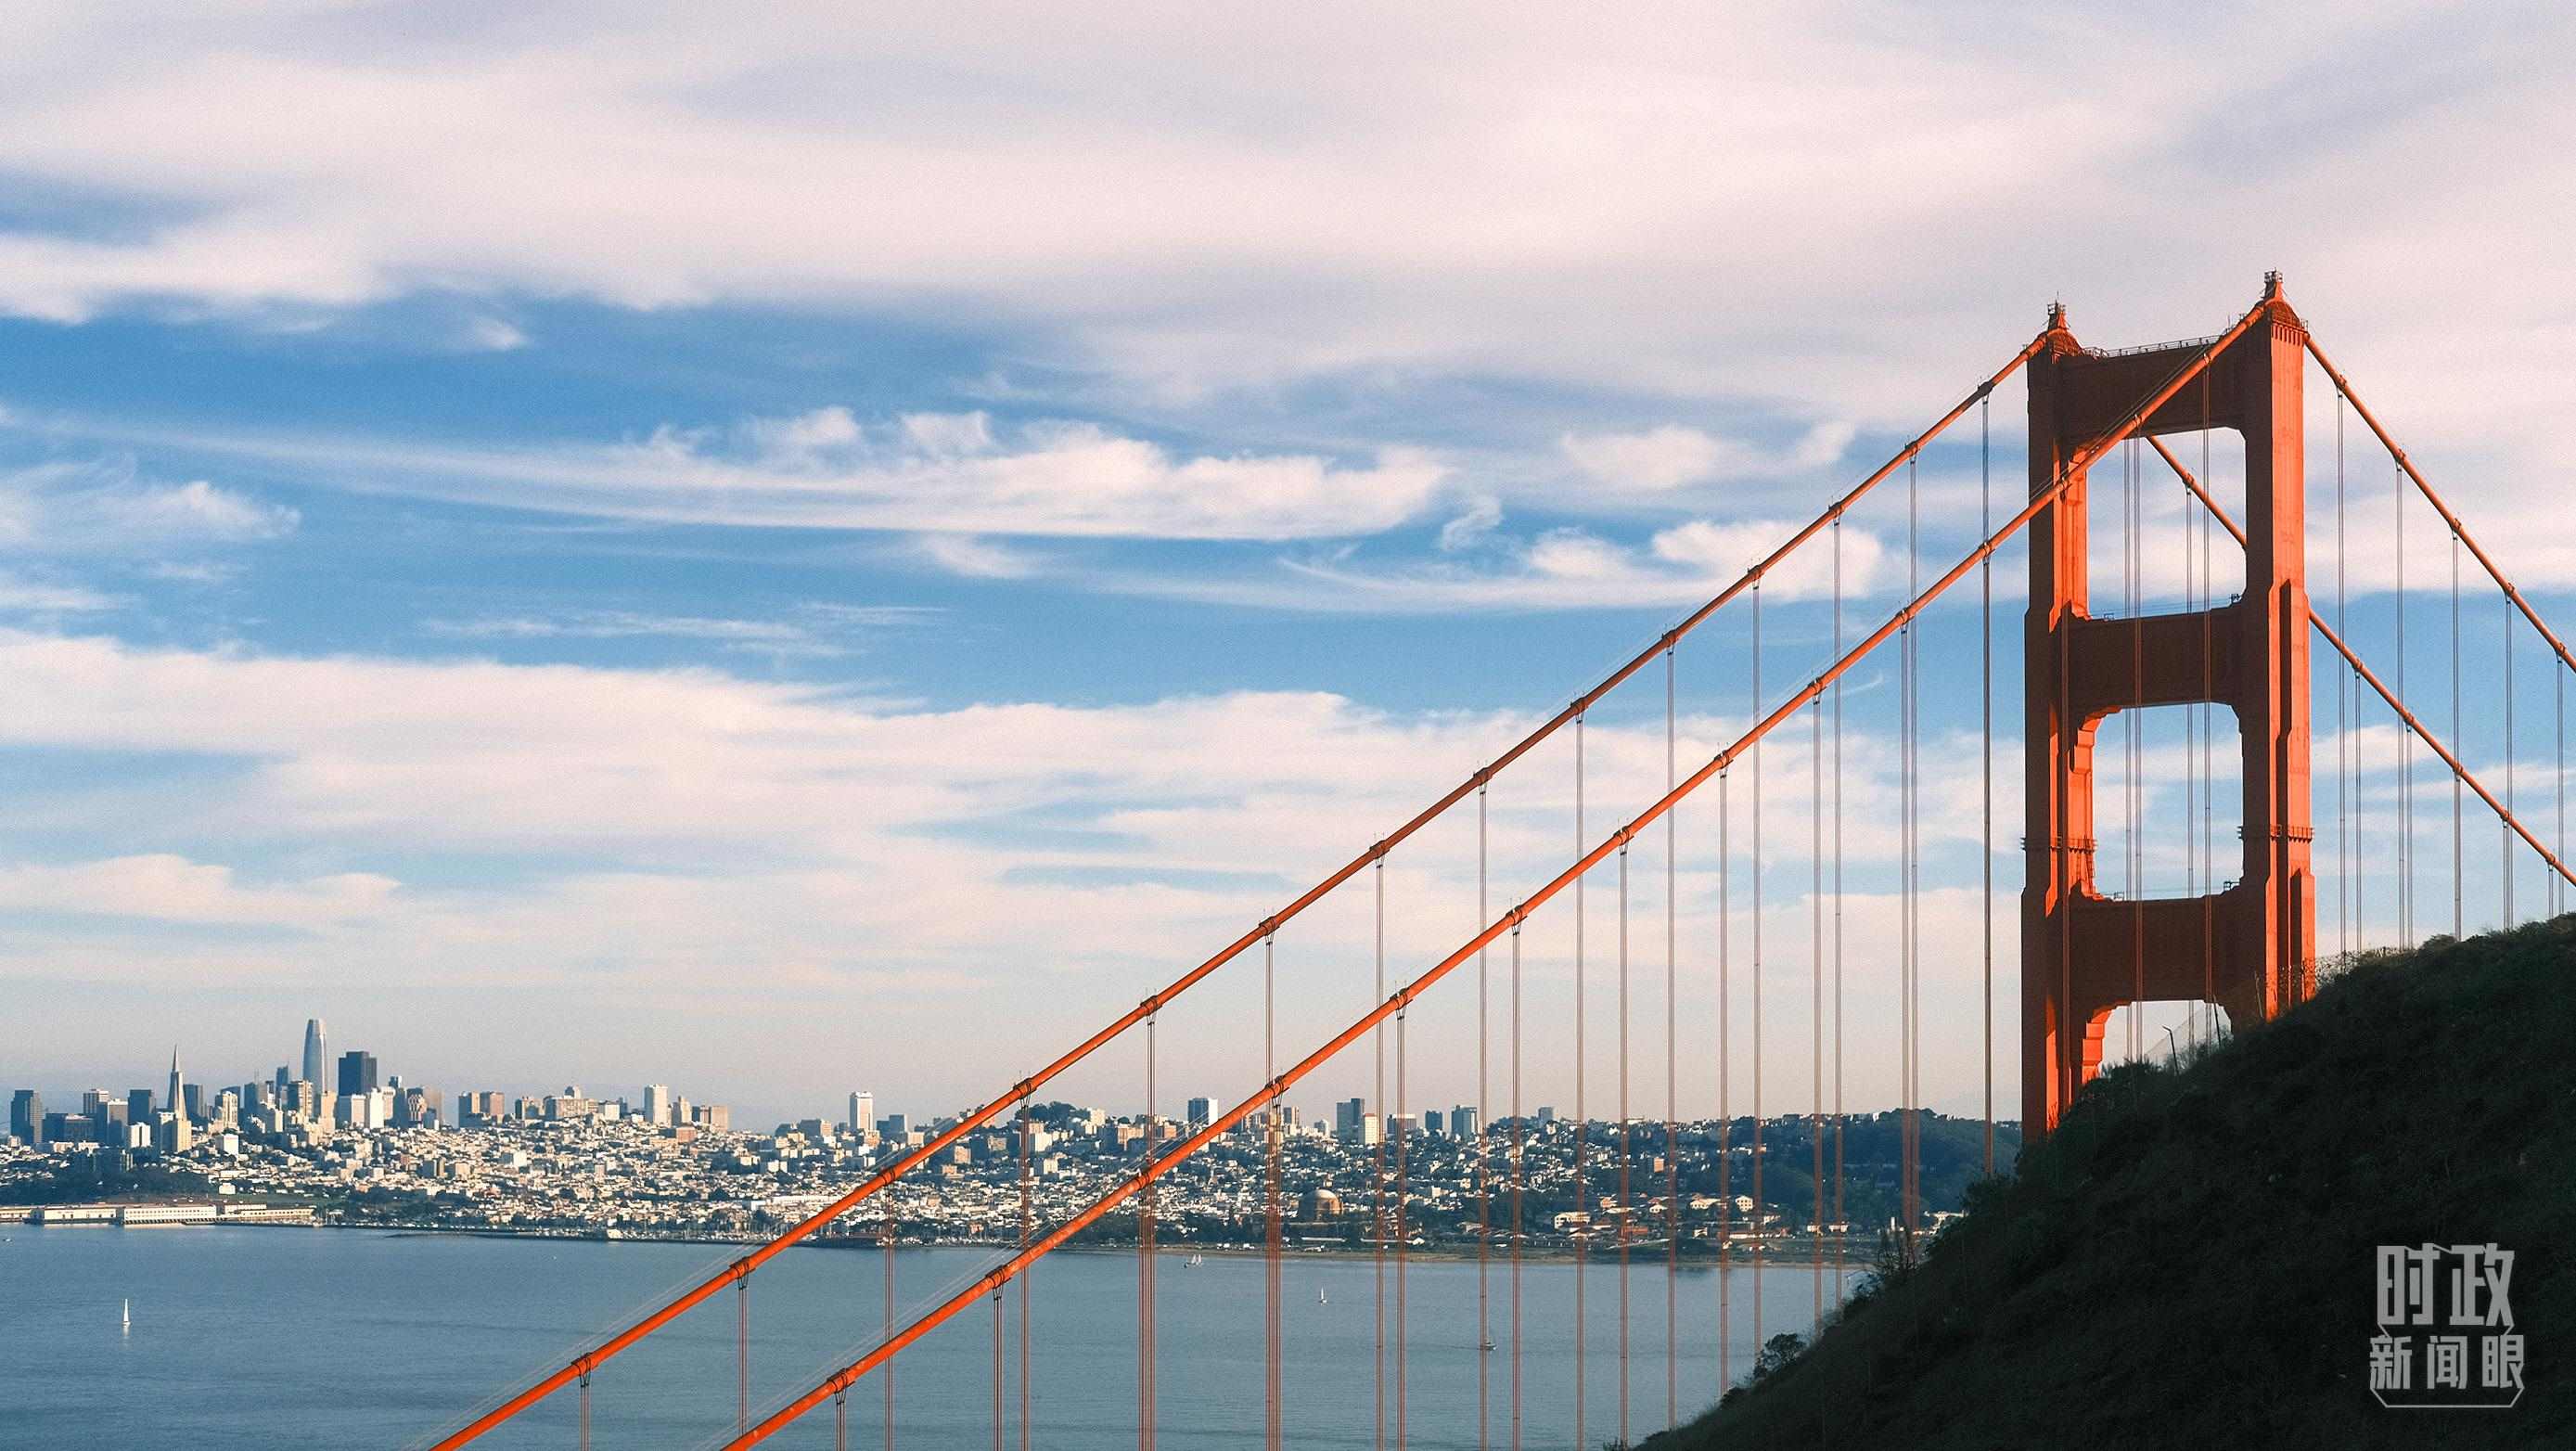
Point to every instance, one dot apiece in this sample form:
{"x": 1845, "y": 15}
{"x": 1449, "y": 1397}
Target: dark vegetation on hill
{"x": 2189, "y": 1260}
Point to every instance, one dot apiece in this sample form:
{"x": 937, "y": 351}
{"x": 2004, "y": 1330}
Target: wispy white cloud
{"x": 1673, "y": 456}
{"x": 1764, "y": 203}
{"x": 20, "y": 595}
{"x": 105, "y": 507}
{"x": 916, "y": 474}
{"x": 974, "y": 558}
{"x": 494, "y": 335}
{"x": 164, "y": 887}
{"x": 1566, "y": 568}
{"x": 813, "y": 631}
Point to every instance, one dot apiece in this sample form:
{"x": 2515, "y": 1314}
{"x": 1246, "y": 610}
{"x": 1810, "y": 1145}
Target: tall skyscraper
{"x": 357, "y": 1072}
{"x": 27, "y": 1117}
{"x": 1348, "y": 1116}
{"x": 178, "y": 1103}
{"x": 138, "y": 1105}
{"x": 315, "y": 1060}
{"x": 863, "y": 1112}
{"x": 657, "y": 1104}
{"x": 1202, "y": 1112}
{"x": 1462, "y": 1122}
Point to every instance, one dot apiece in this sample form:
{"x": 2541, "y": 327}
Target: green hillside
{"x": 2189, "y": 1260}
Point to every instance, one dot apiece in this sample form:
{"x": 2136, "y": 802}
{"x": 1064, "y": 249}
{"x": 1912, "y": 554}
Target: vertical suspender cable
{"x": 997, "y": 1368}
{"x": 1725, "y": 1082}
{"x": 2208, "y": 734}
{"x": 1520, "y": 1182}
{"x": 1403, "y": 1232}
{"x": 1839, "y": 1218}
{"x": 2459, "y": 892}
{"x": 1905, "y": 905}
{"x": 1986, "y": 755}
{"x": 2192, "y": 603}
{"x": 2347, "y": 891}
{"x": 2405, "y": 741}
{"x": 742, "y": 1354}
{"x": 2504, "y": 833}
{"x": 1760, "y": 1218}
{"x": 1582, "y": 1122}
{"x": 1271, "y": 1398}
{"x": 1145, "y": 1398}
{"x": 585, "y": 1411}
{"x": 885, "y": 1251}
{"x": 1484, "y": 1165}
{"x": 1028, "y": 1229}
{"x": 840, "y": 1421}
{"x": 1672, "y": 1070}
{"x": 1627, "y": 1205}
{"x": 1816, "y": 997}
{"x": 1377, "y": 1174}
{"x": 2132, "y": 557}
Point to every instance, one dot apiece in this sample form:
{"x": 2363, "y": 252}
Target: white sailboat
{"x": 127, "y": 1324}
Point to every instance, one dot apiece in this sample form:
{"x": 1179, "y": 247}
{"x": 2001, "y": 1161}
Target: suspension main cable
{"x": 2040, "y": 500}
{"x": 2406, "y": 465}
{"x": 614, "y": 1344}
{"x": 2415, "y": 727}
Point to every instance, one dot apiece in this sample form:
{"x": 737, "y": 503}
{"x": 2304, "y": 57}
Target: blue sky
{"x": 777, "y": 558}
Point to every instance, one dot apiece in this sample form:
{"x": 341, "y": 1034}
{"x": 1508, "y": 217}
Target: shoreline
{"x": 1644, "y": 1255}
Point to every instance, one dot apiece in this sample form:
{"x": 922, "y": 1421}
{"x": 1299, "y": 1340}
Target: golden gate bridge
{"x": 2088, "y": 954}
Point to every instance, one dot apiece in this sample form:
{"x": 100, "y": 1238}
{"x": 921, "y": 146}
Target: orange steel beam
{"x": 590, "y": 1360}
{"x": 2458, "y": 529}
{"x": 2422, "y": 731}
{"x": 1009, "y": 1269}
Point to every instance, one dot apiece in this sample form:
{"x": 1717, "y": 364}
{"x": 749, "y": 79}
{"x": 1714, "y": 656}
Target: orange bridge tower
{"x": 2248, "y": 947}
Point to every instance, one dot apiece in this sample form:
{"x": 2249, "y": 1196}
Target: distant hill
{"x": 2189, "y": 1261}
